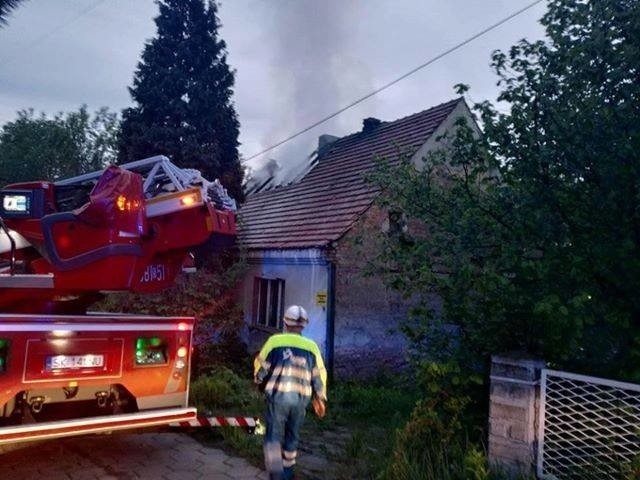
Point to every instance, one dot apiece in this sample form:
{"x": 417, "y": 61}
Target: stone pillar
{"x": 513, "y": 413}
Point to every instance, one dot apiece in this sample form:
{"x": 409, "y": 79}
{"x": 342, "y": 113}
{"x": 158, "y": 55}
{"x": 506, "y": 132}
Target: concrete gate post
{"x": 513, "y": 413}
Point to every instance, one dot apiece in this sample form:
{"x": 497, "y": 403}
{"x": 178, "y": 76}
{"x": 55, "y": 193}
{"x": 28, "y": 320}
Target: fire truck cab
{"x": 64, "y": 371}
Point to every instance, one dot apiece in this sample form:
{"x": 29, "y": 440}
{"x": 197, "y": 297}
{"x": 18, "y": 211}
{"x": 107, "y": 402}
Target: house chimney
{"x": 324, "y": 142}
{"x": 370, "y": 124}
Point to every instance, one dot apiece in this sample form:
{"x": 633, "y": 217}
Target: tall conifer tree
{"x": 182, "y": 91}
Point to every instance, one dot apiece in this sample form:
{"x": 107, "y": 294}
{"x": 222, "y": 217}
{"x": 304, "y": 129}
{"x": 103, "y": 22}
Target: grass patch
{"x": 435, "y": 460}
{"x": 356, "y": 435}
{"x": 369, "y": 404}
{"x": 359, "y": 429}
{"x": 380, "y": 430}
{"x": 224, "y": 393}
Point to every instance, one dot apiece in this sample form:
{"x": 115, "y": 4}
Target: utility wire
{"x": 402, "y": 77}
{"x": 53, "y": 31}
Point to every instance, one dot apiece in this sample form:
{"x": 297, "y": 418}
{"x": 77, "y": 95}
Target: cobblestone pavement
{"x": 127, "y": 456}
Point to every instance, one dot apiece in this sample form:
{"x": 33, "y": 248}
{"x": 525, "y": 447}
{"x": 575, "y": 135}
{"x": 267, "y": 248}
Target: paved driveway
{"x": 128, "y": 456}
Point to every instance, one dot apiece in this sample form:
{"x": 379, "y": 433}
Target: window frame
{"x": 265, "y": 291}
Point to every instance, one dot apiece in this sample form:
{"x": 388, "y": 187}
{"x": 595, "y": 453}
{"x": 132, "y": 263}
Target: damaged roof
{"x": 324, "y": 205}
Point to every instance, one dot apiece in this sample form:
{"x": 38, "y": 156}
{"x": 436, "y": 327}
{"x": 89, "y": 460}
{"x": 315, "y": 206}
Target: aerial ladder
{"x": 66, "y": 371}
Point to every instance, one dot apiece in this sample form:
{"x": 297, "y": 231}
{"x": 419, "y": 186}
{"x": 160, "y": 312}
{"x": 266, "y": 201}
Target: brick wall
{"x": 367, "y": 339}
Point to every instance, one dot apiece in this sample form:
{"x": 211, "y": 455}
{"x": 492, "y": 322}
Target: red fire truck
{"x": 65, "y": 371}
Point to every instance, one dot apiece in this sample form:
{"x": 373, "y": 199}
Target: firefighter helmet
{"x": 295, "y": 315}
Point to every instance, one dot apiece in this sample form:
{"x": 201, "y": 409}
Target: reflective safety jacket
{"x": 291, "y": 365}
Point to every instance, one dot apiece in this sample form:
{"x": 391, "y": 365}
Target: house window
{"x": 395, "y": 223}
{"x": 268, "y": 302}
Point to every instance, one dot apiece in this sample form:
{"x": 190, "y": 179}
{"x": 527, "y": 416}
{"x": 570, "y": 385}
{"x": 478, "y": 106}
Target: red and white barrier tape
{"x": 248, "y": 422}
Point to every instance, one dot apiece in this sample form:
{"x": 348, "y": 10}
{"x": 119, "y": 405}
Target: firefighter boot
{"x": 288, "y": 474}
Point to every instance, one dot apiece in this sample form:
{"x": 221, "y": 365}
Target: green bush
{"x": 360, "y": 424}
{"x": 632, "y": 470}
{"x": 209, "y": 296}
{"x": 222, "y": 391}
{"x": 437, "y": 460}
{"x": 434, "y": 444}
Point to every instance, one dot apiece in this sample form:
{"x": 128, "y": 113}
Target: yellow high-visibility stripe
{"x": 259, "y": 363}
{"x": 289, "y": 387}
{"x": 296, "y": 341}
{"x": 288, "y": 340}
{"x": 291, "y": 371}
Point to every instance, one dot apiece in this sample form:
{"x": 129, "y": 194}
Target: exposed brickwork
{"x": 367, "y": 339}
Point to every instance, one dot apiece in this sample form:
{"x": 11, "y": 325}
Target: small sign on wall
{"x": 321, "y": 299}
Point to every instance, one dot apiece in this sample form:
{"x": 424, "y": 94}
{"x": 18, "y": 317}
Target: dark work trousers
{"x": 285, "y": 415}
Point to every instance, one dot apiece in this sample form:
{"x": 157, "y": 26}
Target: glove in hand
{"x": 318, "y": 407}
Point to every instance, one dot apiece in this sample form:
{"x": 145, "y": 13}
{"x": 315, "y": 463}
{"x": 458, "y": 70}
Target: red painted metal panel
{"x": 39, "y": 349}
{"x": 31, "y": 339}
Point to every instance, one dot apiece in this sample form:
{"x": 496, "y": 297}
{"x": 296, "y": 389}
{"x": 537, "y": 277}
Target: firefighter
{"x": 290, "y": 371}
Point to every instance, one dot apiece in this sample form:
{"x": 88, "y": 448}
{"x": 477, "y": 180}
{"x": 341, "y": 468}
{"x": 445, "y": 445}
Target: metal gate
{"x": 589, "y": 428}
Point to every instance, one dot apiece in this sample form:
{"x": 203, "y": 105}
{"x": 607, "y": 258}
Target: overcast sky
{"x": 296, "y": 60}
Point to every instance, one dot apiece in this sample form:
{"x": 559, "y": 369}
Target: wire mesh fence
{"x": 589, "y": 427}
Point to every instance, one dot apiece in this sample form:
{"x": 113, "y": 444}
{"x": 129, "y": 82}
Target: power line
{"x": 402, "y": 77}
{"x": 53, "y": 31}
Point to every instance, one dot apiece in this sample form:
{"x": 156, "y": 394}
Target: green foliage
{"x": 436, "y": 461}
{"x": 438, "y": 422}
{"x": 209, "y": 296}
{"x": 182, "y": 91}
{"x": 359, "y": 429}
{"x": 528, "y": 233}
{"x": 351, "y": 403}
{"x": 41, "y": 148}
{"x": 222, "y": 391}
{"x": 632, "y": 470}
{"x": 357, "y": 433}
{"x": 239, "y": 442}
{"x": 532, "y": 232}
{"x": 435, "y": 444}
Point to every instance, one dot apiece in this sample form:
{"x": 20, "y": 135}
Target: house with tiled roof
{"x": 299, "y": 240}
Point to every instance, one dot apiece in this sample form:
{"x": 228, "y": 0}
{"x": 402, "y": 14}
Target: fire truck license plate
{"x": 61, "y": 362}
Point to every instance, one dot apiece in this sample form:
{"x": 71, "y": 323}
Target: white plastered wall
{"x": 306, "y": 277}
{"x": 448, "y": 125}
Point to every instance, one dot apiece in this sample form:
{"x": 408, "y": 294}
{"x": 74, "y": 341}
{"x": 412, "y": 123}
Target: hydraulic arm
{"x": 126, "y": 228}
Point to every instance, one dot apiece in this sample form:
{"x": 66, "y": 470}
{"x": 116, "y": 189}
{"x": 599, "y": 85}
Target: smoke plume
{"x": 314, "y": 73}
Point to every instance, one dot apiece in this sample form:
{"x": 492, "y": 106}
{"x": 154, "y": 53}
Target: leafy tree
{"x": 208, "y": 295}
{"x": 532, "y": 233}
{"x": 5, "y": 8}
{"x": 38, "y": 147}
{"x": 182, "y": 90}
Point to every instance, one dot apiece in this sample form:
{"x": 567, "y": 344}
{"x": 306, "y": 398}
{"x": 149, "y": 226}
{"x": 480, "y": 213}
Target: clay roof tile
{"x": 325, "y": 204}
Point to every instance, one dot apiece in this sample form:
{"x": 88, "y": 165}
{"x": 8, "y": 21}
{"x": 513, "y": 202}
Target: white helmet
{"x": 295, "y": 315}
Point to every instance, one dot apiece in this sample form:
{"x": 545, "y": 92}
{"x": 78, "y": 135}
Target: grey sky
{"x": 296, "y": 60}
